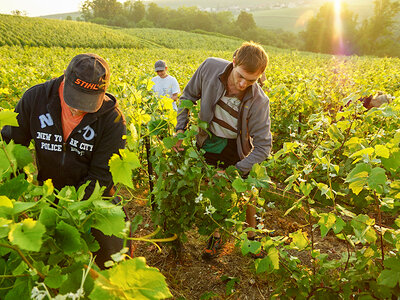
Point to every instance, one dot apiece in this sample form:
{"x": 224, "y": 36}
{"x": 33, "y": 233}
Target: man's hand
{"x": 177, "y": 148}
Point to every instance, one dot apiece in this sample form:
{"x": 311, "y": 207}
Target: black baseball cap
{"x": 86, "y": 80}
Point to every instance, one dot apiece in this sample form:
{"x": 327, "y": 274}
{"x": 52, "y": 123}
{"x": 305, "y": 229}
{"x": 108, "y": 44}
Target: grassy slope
{"x": 175, "y": 39}
{"x": 25, "y": 31}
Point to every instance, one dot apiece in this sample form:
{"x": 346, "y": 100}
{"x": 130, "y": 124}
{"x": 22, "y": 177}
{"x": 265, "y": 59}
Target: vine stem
{"x": 14, "y": 276}
{"x": 223, "y": 228}
{"x": 378, "y": 206}
{"x": 23, "y": 258}
{"x": 312, "y": 236}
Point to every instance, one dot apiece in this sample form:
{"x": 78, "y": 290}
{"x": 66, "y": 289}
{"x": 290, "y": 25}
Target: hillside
{"x": 176, "y": 39}
{"x": 25, "y": 31}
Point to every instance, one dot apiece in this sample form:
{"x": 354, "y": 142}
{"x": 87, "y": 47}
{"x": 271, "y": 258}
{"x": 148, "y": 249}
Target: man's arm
{"x": 191, "y": 92}
{"x": 259, "y": 125}
{"x": 110, "y": 142}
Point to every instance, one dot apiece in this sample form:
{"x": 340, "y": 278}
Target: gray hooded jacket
{"x": 254, "y": 139}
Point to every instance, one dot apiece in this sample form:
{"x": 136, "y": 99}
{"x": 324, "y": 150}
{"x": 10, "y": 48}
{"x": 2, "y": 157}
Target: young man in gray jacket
{"x": 237, "y": 111}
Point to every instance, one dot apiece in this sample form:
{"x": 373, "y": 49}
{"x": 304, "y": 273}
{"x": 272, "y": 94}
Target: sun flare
{"x": 337, "y": 32}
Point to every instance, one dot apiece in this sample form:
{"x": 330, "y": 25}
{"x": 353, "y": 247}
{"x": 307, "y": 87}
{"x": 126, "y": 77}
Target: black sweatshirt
{"x": 85, "y": 154}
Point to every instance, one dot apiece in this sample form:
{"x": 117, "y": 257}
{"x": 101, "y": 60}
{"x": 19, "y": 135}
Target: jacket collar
{"x": 223, "y": 77}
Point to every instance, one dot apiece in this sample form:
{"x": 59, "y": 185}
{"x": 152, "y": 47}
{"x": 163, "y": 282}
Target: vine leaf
{"x": 8, "y": 117}
{"x": 67, "y": 238}
{"x": 27, "y": 234}
{"x": 358, "y": 177}
{"x": 121, "y": 167}
{"x": 131, "y": 279}
{"x": 391, "y": 275}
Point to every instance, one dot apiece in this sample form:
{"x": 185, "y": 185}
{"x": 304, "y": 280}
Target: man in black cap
{"x": 76, "y": 127}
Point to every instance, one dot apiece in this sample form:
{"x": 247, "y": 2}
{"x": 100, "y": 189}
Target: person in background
{"x": 164, "y": 84}
{"x": 76, "y": 127}
{"x": 376, "y": 101}
{"x": 237, "y": 112}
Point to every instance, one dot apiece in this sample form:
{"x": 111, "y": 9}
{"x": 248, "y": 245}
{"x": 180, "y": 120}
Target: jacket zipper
{"x": 64, "y": 148}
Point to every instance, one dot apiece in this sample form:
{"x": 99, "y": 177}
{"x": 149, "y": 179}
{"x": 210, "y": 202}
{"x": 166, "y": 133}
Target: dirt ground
{"x": 189, "y": 276}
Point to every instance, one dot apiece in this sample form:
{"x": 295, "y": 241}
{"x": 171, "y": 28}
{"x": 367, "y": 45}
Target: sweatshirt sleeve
{"x": 191, "y": 92}
{"x": 110, "y": 142}
{"x": 259, "y": 125}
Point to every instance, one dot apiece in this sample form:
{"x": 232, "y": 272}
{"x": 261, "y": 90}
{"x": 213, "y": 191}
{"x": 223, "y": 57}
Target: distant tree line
{"x": 137, "y": 14}
{"x": 378, "y": 35}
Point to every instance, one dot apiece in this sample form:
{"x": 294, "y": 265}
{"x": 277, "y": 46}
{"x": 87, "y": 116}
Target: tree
{"x": 134, "y": 10}
{"x": 328, "y": 33}
{"x": 245, "y": 21}
{"x": 376, "y": 34}
{"x": 18, "y": 12}
{"x": 102, "y": 9}
{"x": 156, "y": 14}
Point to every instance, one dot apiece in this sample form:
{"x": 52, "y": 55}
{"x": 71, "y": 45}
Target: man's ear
{"x": 234, "y": 63}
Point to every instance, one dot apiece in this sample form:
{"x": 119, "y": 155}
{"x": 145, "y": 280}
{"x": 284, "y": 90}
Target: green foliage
{"x": 131, "y": 279}
{"x": 338, "y": 160}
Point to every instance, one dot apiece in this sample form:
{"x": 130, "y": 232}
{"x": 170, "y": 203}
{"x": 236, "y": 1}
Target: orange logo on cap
{"x": 87, "y": 85}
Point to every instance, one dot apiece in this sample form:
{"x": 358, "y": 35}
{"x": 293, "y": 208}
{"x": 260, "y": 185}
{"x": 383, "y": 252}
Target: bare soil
{"x": 189, "y": 276}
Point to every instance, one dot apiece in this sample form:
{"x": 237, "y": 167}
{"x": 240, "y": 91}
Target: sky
{"x": 35, "y": 8}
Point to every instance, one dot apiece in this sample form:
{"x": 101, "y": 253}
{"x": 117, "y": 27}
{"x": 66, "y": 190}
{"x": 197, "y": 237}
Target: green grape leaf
{"x": 4, "y": 227}
{"x": 48, "y": 217}
{"x": 377, "y": 178}
{"x": 169, "y": 142}
{"x": 131, "y": 279}
{"x": 390, "y": 277}
{"x": 27, "y": 234}
{"x": 14, "y": 187}
{"x": 54, "y": 278}
{"x": 8, "y": 117}
{"x": 108, "y": 218}
{"x": 186, "y": 104}
{"x": 240, "y": 185}
{"x": 358, "y": 177}
{"x": 363, "y": 229}
{"x": 326, "y": 222}
{"x": 157, "y": 127}
{"x": 121, "y": 167}
{"x": 299, "y": 240}
{"x": 268, "y": 263}
{"x": 67, "y": 238}
{"x": 250, "y": 246}
{"x": 393, "y": 162}
{"x": 22, "y": 155}
{"x": 382, "y": 151}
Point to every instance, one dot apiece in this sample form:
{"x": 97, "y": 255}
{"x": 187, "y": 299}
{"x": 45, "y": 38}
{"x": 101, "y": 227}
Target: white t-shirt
{"x": 166, "y": 87}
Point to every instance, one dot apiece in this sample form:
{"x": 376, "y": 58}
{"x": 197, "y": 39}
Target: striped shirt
{"x": 225, "y": 121}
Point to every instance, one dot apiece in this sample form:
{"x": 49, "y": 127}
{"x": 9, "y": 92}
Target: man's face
{"x": 242, "y": 78}
{"x": 162, "y": 73}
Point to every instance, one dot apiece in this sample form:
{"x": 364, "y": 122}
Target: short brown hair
{"x": 252, "y": 57}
